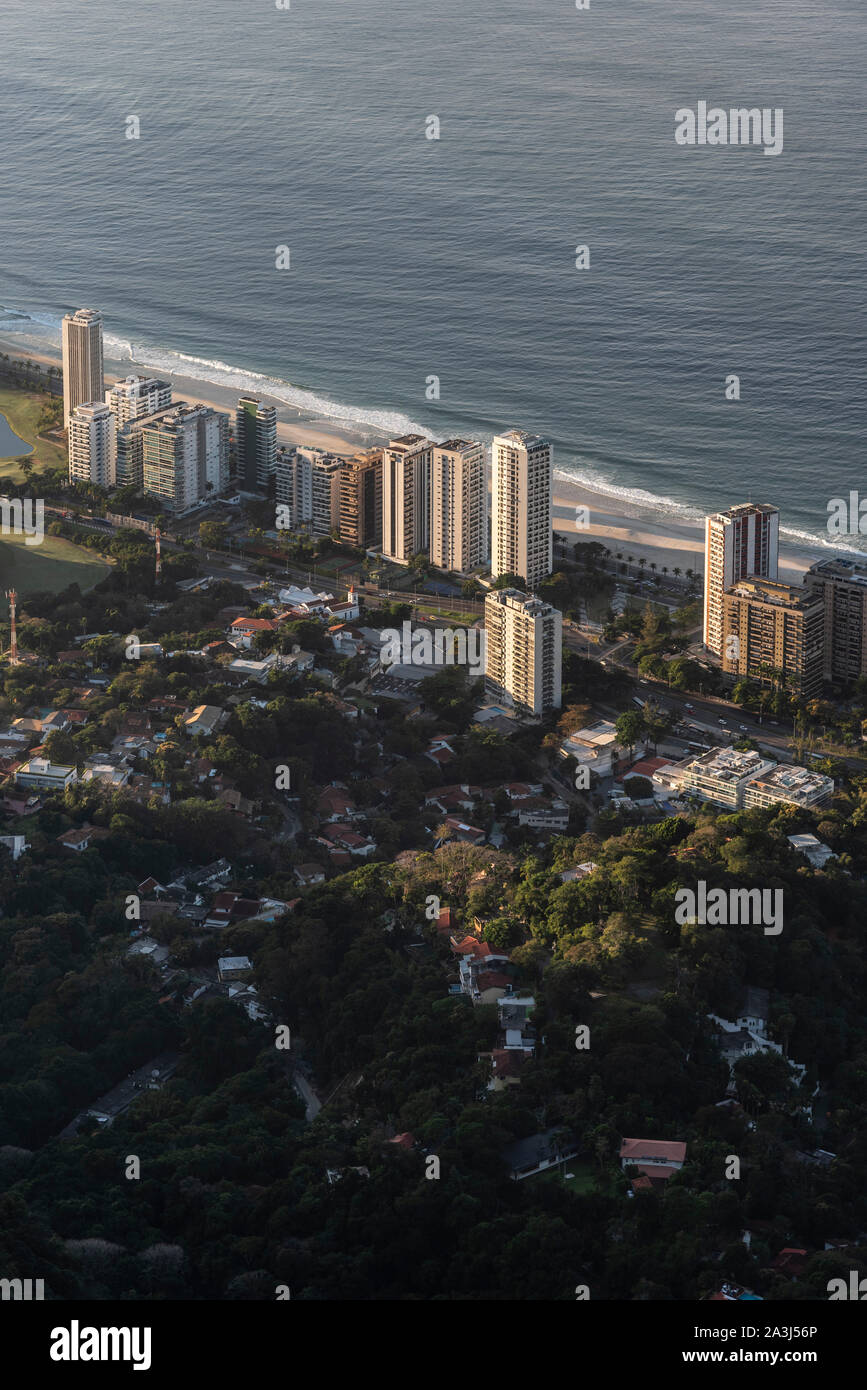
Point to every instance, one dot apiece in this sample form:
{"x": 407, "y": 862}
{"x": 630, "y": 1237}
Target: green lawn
{"x": 22, "y": 409}
{"x": 51, "y": 566}
{"x": 583, "y": 1180}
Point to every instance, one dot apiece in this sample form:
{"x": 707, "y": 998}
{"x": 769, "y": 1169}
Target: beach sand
{"x": 641, "y": 533}
{"x": 624, "y": 527}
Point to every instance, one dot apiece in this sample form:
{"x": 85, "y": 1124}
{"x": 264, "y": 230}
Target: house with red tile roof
{"x": 440, "y": 751}
{"x": 460, "y": 830}
{"x": 334, "y": 804}
{"x": 343, "y": 836}
{"x": 244, "y": 631}
{"x": 657, "y": 1159}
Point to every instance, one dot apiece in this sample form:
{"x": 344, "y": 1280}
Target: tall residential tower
{"x": 523, "y": 651}
{"x": 137, "y": 396}
{"x": 521, "y": 507}
{"x": 256, "y": 441}
{"x": 406, "y": 497}
{"x": 458, "y": 506}
{"x": 92, "y": 444}
{"x": 81, "y": 336}
{"x": 739, "y": 543}
{"x": 185, "y": 455}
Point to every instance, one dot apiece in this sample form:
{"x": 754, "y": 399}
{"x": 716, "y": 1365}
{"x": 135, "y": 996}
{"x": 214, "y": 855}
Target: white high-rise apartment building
{"x": 521, "y": 507}
{"x": 137, "y": 396}
{"x": 738, "y": 543}
{"x": 308, "y": 483}
{"x": 458, "y": 506}
{"x": 406, "y": 497}
{"x": 81, "y": 338}
{"x": 293, "y": 476}
{"x": 185, "y": 454}
{"x": 523, "y": 651}
{"x": 92, "y": 444}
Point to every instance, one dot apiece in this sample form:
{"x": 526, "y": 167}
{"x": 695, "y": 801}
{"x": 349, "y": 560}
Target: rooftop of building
{"x": 793, "y": 781}
{"x": 729, "y": 764}
{"x": 522, "y": 437}
{"x": 175, "y": 414}
{"x": 742, "y": 509}
{"x": 458, "y": 444}
{"x": 130, "y": 383}
{"x": 517, "y": 598}
{"x": 774, "y": 591}
{"x": 841, "y": 567}
{"x": 405, "y": 441}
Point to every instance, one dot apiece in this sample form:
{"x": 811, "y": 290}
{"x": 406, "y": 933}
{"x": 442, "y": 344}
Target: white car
{"x": 743, "y": 728}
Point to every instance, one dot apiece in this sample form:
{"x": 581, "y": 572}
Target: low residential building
{"x": 459, "y": 830}
{"x": 234, "y": 967}
{"x": 812, "y": 849}
{"x": 596, "y": 748}
{"x": 656, "y": 1159}
{"x": 229, "y": 907}
{"x": 16, "y": 845}
{"x": 554, "y": 817}
{"x": 244, "y": 631}
{"x": 309, "y": 874}
{"x": 797, "y": 785}
{"x": 335, "y": 804}
{"x": 81, "y": 838}
{"x": 580, "y": 871}
{"x": 243, "y": 669}
{"x": 345, "y": 837}
{"x": 721, "y": 775}
{"x": 41, "y": 773}
{"x": 204, "y": 720}
{"x": 550, "y": 1149}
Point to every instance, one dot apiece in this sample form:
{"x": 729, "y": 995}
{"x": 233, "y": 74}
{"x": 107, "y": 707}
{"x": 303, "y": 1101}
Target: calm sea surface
{"x": 455, "y": 258}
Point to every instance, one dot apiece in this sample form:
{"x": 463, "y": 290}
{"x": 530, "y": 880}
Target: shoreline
{"x": 629, "y": 528}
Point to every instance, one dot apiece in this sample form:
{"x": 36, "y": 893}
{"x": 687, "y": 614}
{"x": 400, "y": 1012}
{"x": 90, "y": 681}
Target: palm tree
{"x": 676, "y": 571}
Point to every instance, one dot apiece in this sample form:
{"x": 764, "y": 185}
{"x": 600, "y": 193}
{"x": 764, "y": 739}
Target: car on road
{"x": 689, "y": 707}
{"x": 723, "y": 722}
{"x": 642, "y": 682}
{"x": 743, "y": 728}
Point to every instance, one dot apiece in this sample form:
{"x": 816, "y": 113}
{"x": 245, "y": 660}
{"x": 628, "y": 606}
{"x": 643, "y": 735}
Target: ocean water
{"x": 413, "y": 258}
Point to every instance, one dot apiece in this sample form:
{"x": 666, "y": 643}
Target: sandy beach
{"x": 625, "y": 528}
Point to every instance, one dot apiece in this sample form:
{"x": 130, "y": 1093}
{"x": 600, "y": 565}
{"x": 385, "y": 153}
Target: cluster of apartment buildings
{"x": 412, "y": 497}
{"x": 766, "y": 630}
{"x": 741, "y": 779}
{"x": 415, "y": 496}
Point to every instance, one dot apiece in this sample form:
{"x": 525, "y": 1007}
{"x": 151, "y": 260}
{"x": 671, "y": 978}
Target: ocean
{"x": 414, "y": 259}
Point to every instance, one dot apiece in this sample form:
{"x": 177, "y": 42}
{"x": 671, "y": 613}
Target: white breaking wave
{"x": 690, "y": 515}
{"x": 45, "y": 328}
{"x": 391, "y": 422}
